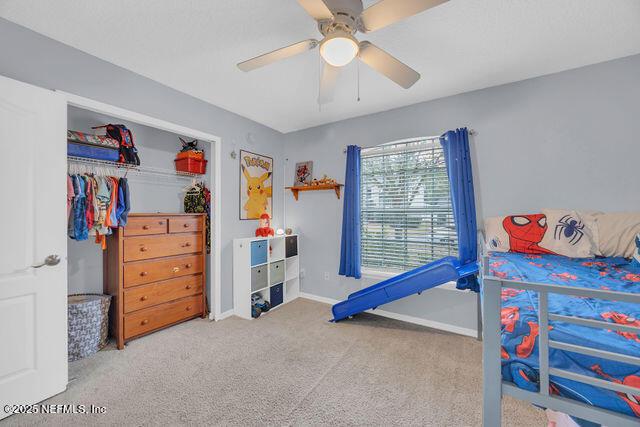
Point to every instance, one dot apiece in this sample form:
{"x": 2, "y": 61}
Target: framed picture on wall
{"x": 256, "y": 185}
{"x": 304, "y": 173}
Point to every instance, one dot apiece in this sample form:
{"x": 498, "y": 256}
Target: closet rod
{"x": 78, "y": 163}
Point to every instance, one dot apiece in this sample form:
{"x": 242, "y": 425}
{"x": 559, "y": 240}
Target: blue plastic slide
{"x": 411, "y": 282}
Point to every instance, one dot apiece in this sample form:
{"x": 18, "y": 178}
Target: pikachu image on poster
{"x": 256, "y": 187}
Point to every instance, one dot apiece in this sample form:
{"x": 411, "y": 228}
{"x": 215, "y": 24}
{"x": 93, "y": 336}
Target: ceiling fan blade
{"x": 387, "y": 12}
{"x": 386, "y": 64}
{"x": 317, "y": 9}
{"x": 277, "y": 55}
{"x": 327, "y": 83}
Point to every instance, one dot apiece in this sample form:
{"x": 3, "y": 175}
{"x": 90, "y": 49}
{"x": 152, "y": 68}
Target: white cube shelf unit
{"x": 267, "y": 266}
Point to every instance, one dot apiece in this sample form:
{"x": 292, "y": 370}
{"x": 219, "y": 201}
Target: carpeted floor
{"x": 290, "y": 367}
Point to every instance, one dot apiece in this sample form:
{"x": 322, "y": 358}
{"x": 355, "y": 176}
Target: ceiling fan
{"x": 338, "y": 22}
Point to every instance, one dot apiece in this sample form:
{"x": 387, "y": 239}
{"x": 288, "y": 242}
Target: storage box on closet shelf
{"x": 190, "y": 159}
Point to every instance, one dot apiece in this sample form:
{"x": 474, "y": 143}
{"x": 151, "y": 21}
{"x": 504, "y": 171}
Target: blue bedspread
{"x": 520, "y": 325}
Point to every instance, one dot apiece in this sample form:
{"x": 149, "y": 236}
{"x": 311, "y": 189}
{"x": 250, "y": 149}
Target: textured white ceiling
{"x": 193, "y": 46}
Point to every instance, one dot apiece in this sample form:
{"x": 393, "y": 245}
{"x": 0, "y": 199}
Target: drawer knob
{"x": 145, "y": 227}
{"x": 188, "y": 286}
{"x": 143, "y": 273}
{"x": 143, "y": 249}
{"x": 144, "y": 322}
{"x": 188, "y": 265}
{"x": 188, "y": 308}
{"x": 144, "y": 298}
{"x": 185, "y": 225}
{"x": 160, "y": 222}
{"x": 176, "y": 269}
{"x": 186, "y": 245}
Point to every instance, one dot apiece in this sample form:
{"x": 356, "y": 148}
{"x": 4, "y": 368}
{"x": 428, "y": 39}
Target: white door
{"x": 33, "y": 301}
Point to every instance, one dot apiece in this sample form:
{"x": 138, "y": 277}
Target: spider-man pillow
{"x": 551, "y": 232}
{"x": 570, "y": 233}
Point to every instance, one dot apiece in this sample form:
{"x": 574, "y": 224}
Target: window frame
{"x": 379, "y": 272}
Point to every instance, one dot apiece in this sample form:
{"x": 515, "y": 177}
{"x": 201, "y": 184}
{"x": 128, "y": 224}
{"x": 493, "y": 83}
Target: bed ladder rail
{"x": 491, "y": 314}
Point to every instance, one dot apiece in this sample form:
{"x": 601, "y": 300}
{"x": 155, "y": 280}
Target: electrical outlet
{"x": 303, "y": 273}
{"x": 326, "y": 276}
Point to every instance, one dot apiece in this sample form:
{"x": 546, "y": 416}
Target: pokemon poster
{"x": 256, "y": 181}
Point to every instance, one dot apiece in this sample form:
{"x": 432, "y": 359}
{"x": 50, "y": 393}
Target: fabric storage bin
{"x": 258, "y": 252}
{"x": 88, "y": 321}
{"x": 276, "y": 271}
{"x": 258, "y": 278}
{"x": 276, "y": 295}
{"x": 99, "y": 147}
{"x": 291, "y": 246}
{"x": 92, "y": 152}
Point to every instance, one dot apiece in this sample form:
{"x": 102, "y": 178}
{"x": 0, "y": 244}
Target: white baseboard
{"x": 224, "y": 315}
{"x": 402, "y": 317}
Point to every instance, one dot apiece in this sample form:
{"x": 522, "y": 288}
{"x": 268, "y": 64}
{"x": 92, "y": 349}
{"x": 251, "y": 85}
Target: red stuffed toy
{"x": 265, "y": 229}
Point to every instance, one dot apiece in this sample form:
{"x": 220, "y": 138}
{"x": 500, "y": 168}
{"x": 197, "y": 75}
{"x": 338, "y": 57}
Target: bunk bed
{"x": 563, "y": 334}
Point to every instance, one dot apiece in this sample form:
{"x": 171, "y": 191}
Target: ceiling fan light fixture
{"x": 339, "y": 49}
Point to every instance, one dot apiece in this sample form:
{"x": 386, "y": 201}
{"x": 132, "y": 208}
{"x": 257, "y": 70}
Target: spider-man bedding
{"x": 520, "y": 325}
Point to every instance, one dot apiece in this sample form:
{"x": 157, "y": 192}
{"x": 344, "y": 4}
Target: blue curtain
{"x": 350, "y": 246}
{"x": 458, "y": 158}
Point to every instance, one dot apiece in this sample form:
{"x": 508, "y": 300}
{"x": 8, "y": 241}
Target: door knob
{"x": 49, "y": 261}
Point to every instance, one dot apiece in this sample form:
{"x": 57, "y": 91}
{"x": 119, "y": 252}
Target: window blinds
{"x": 406, "y": 214}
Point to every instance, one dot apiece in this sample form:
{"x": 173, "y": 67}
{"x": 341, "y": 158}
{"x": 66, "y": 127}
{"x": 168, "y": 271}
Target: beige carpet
{"x": 290, "y": 367}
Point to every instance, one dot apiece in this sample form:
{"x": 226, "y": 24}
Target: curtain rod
{"x": 471, "y": 132}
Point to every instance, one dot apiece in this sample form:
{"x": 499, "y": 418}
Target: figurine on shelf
{"x": 265, "y": 229}
{"x": 327, "y": 181}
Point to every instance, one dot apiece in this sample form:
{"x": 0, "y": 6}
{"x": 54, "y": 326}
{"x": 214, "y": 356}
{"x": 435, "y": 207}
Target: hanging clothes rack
{"x": 81, "y": 165}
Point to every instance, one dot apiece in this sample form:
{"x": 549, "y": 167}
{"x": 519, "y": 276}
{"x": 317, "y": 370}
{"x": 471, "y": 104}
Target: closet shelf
{"x": 335, "y": 187}
{"x": 117, "y": 169}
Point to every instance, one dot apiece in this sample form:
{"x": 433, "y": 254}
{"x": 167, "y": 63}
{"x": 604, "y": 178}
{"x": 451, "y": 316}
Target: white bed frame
{"x": 494, "y": 387}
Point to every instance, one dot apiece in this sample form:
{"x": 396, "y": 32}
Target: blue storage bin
{"x": 259, "y": 252}
{"x": 92, "y": 152}
{"x": 276, "y": 295}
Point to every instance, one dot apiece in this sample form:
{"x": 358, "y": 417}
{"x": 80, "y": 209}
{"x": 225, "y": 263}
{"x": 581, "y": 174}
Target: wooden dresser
{"x": 154, "y": 268}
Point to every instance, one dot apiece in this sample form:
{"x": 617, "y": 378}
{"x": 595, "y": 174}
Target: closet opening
{"x": 151, "y": 193}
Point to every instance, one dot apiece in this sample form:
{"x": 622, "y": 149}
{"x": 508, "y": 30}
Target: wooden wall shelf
{"x": 335, "y": 187}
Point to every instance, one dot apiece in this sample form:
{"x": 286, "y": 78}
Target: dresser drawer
{"x": 138, "y": 273}
{"x": 147, "y": 247}
{"x": 185, "y": 224}
{"x": 156, "y": 293}
{"x": 165, "y": 314}
{"x": 144, "y": 226}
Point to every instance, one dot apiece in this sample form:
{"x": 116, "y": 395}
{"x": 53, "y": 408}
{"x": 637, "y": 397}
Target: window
{"x": 407, "y": 218}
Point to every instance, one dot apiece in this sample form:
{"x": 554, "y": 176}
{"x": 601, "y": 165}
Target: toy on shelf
{"x": 190, "y": 158}
{"x": 325, "y": 180}
{"x": 265, "y": 229}
{"x": 259, "y": 305}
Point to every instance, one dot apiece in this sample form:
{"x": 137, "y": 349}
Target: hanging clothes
{"x": 70, "y": 195}
{"x": 80, "y": 230}
{"x": 198, "y": 200}
{"x": 124, "y": 214}
{"x": 95, "y": 205}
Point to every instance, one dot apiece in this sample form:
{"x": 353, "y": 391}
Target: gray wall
{"x": 33, "y": 58}
{"x": 564, "y": 140}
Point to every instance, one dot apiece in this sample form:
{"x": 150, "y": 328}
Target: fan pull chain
{"x": 358, "y": 65}
{"x": 319, "y": 82}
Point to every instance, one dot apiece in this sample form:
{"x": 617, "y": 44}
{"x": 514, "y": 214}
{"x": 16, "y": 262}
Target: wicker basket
{"x": 88, "y": 324}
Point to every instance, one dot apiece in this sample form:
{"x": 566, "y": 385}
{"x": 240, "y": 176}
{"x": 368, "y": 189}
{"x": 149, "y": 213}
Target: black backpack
{"x": 128, "y": 150}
